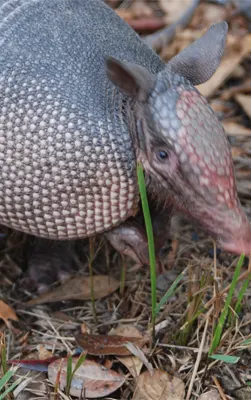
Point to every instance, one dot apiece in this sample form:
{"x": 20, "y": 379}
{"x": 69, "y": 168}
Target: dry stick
{"x": 59, "y": 337}
{"x": 196, "y": 365}
{"x": 217, "y": 383}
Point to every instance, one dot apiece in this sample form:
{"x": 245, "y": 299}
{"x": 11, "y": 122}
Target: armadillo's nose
{"x": 238, "y": 240}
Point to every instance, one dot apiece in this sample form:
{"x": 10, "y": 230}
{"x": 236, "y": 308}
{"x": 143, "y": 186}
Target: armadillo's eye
{"x": 162, "y": 155}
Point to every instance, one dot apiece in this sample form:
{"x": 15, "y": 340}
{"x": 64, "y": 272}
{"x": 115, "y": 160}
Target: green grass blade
{"x": 80, "y": 361}
{"x": 169, "y": 293}
{"x": 225, "y": 358}
{"x": 149, "y": 232}
{"x": 246, "y": 342}
{"x": 10, "y": 389}
{"x": 69, "y": 374}
{"x": 241, "y": 294}
{"x": 6, "y": 378}
{"x": 223, "y": 316}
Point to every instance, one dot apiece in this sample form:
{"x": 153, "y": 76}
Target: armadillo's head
{"x": 181, "y": 142}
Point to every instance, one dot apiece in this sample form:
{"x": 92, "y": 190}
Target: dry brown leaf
{"x": 6, "y": 313}
{"x": 91, "y": 380}
{"x": 78, "y": 288}
{"x": 234, "y": 129}
{"x": 43, "y": 353}
{"x": 107, "y": 344}
{"x": 234, "y": 56}
{"x": 132, "y": 363}
{"x": 209, "y": 14}
{"x": 243, "y": 393}
{"x": 137, "y": 352}
{"x": 245, "y": 103}
{"x": 126, "y": 330}
{"x": 159, "y": 386}
{"x": 32, "y": 385}
{"x": 211, "y": 395}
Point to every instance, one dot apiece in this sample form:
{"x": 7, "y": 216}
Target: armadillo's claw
{"x": 50, "y": 262}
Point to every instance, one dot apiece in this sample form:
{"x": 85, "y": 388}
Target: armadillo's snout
{"x": 237, "y": 234}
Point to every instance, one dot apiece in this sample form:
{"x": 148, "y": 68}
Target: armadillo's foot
{"x": 130, "y": 240}
{"x": 50, "y": 261}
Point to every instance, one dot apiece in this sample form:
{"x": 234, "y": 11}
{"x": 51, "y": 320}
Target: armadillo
{"x": 83, "y": 99}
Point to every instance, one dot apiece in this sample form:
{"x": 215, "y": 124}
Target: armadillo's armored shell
{"x": 67, "y": 165}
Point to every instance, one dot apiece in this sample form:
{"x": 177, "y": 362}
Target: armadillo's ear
{"x": 131, "y": 79}
{"x": 199, "y": 61}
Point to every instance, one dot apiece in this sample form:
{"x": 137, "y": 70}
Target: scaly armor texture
{"x": 67, "y": 164}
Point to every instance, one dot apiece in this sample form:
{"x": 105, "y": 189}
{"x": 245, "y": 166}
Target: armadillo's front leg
{"x": 130, "y": 238}
{"x": 50, "y": 261}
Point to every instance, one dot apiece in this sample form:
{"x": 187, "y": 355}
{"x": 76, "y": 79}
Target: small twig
{"x": 174, "y": 346}
{"x": 217, "y": 383}
{"x": 59, "y": 337}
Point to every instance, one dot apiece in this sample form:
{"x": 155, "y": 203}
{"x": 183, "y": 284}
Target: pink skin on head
{"x": 209, "y": 171}
{"x": 240, "y": 241}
